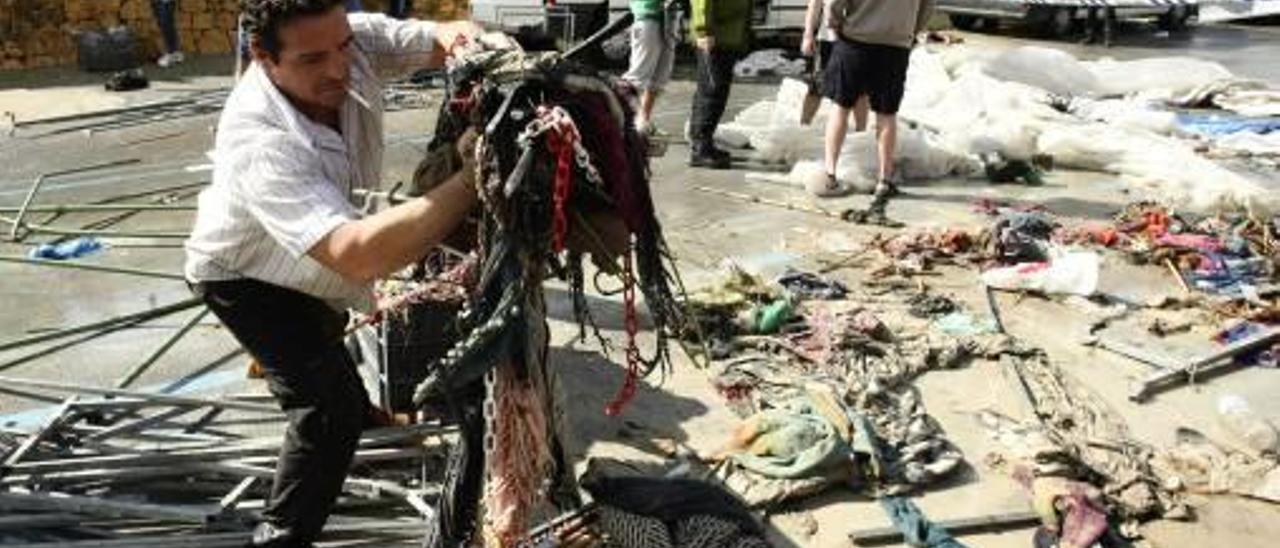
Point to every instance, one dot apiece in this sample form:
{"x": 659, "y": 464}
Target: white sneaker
{"x": 169, "y": 59}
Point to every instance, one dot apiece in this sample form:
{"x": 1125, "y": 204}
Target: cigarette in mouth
{"x": 363, "y": 102}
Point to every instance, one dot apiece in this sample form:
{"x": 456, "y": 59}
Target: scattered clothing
{"x": 1023, "y": 235}
{"x": 127, "y": 80}
{"x": 807, "y": 285}
{"x": 964, "y": 324}
{"x": 916, "y": 529}
{"x": 929, "y": 305}
{"x": 70, "y": 249}
{"x": 1072, "y": 510}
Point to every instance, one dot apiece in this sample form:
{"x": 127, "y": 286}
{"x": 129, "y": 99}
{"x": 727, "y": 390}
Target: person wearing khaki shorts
{"x": 653, "y": 54}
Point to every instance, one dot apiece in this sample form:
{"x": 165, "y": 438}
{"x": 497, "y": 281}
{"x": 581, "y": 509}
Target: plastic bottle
{"x": 1238, "y": 418}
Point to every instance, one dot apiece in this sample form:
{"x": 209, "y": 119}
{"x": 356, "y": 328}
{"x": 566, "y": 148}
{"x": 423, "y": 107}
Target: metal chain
{"x": 489, "y": 410}
{"x": 558, "y": 118}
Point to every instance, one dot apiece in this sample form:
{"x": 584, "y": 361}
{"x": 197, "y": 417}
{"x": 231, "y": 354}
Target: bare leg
{"x": 886, "y": 141}
{"x": 647, "y": 100}
{"x": 860, "y": 110}
{"x": 837, "y": 125}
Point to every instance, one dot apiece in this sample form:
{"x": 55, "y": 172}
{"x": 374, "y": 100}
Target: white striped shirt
{"x": 282, "y": 182}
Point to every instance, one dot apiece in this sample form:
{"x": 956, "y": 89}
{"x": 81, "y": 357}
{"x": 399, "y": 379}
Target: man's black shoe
{"x": 709, "y": 156}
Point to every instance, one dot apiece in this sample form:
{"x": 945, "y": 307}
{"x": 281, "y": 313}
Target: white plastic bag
{"x": 1071, "y": 273}
{"x": 1049, "y": 69}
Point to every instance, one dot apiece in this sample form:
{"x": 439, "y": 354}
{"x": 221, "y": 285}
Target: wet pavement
{"x": 704, "y": 230}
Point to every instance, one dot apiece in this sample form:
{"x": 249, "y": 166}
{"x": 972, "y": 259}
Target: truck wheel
{"x": 1062, "y": 23}
{"x": 990, "y": 24}
{"x": 962, "y": 21}
{"x": 1175, "y": 20}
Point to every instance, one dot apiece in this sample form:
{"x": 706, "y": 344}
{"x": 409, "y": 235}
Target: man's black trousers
{"x": 298, "y": 340}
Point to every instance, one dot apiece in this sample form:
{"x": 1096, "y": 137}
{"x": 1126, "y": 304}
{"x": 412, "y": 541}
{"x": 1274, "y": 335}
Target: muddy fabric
{"x": 791, "y": 442}
{"x": 1071, "y": 509}
{"x": 871, "y": 377}
{"x": 916, "y": 529}
{"x": 808, "y": 285}
{"x": 1203, "y": 466}
{"x": 1078, "y": 436}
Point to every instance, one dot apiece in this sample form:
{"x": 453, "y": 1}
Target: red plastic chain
{"x": 562, "y": 189}
{"x": 632, "y": 325}
{"x": 562, "y": 140}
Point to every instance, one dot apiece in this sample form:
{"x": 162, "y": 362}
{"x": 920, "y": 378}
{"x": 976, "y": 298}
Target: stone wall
{"x": 41, "y": 33}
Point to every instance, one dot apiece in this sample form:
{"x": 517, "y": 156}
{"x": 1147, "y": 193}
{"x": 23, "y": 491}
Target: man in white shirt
{"x": 279, "y": 251}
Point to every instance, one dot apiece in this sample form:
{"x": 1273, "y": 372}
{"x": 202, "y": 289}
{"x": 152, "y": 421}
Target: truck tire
{"x": 1175, "y": 20}
{"x": 962, "y": 21}
{"x": 1061, "y": 23}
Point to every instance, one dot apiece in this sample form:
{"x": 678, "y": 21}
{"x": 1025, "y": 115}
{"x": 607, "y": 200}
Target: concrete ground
{"x": 704, "y": 230}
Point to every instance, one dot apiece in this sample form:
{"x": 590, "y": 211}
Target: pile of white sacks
{"x": 962, "y": 102}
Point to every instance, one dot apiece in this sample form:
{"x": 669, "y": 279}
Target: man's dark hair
{"x": 262, "y": 19}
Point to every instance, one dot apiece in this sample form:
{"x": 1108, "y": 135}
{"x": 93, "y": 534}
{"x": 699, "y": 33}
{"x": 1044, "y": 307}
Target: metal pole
{"x": 125, "y": 110}
{"x": 72, "y": 343}
{"x": 60, "y": 502}
{"x": 138, "y": 424}
{"x": 91, "y": 267}
{"x": 46, "y": 229}
{"x": 170, "y": 189}
{"x": 22, "y": 211}
{"x": 145, "y": 315}
{"x": 79, "y": 208}
{"x": 35, "y": 187}
{"x": 161, "y": 398}
{"x": 34, "y": 439}
{"x": 141, "y": 368}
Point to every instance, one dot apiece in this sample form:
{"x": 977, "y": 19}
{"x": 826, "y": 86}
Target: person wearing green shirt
{"x": 653, "y": 54}
{"x": 722, "y": 32}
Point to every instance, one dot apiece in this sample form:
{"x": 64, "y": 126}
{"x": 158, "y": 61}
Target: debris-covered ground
{"x": 841, "y": 374}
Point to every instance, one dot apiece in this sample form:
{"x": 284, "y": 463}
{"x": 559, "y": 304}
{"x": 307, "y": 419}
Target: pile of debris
{"x": 118, "y": 467}
{"x": 822, "y": 378}
{"x": 1009, "y": 115}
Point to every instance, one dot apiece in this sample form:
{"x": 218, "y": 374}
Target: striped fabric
{"x": 281, "y": 182}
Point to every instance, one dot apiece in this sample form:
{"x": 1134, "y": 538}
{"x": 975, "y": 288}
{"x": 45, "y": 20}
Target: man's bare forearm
{"x": 391, "y": 239}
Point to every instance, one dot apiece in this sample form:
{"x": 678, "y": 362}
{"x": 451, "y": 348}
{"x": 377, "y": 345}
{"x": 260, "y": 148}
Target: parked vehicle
{"x": 567, "y": 21}
{"x": 1062, "y": 18}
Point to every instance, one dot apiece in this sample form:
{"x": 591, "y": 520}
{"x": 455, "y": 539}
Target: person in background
{"x": 818, "y": 40}
{"x": 165, "y": 12}
{"x": 722, "y": 33}
{"x": 1092, "y": 24}
{"x": 399, "y": 9}
{"x": 869, "y": 59}
{"x": 653, "y": 54}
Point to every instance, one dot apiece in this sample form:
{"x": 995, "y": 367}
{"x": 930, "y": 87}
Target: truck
{"x": 1062, "y": 18}
{"x": 564, "y": 22}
